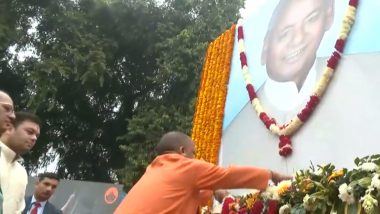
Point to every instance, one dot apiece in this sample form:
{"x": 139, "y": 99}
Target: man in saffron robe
{"x": 177, "y": 179}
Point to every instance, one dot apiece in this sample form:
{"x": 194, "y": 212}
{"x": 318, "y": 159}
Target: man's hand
{"x": 277, "y": 177}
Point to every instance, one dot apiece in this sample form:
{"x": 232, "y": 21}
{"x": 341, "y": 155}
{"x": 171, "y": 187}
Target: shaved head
{"x": 176, "y": 142}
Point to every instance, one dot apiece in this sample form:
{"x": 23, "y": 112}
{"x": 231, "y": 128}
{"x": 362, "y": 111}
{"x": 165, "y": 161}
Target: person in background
{"x": 7, "y": 113}
{"x": 38, "y": 203}
{"x": 18, "y": 139}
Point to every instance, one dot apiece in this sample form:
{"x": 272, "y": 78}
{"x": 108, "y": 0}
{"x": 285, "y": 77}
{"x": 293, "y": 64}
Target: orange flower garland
{"x": 209, "y": 110}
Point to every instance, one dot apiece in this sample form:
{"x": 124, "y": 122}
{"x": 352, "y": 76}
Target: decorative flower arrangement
{"x": 209, "y": 113}
{"x": 285, "y": 131}
{"x": 321, "y": 189}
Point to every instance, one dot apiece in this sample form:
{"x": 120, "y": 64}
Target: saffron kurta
{"x": 172, "y": 182}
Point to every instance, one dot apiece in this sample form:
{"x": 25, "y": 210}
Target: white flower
{"x": 369, "y": 204}
{"x": 369, "y": 167}
{"x": 345, "y": 194}
{"x": 270, "y": 193}
{"x": 309, "y": 203}
{"x": 285, "y": 209}
{"x": 375, "y": 183}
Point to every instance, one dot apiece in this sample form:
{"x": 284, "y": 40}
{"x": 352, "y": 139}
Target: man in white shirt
{"x": 289, "y": 52}
{"x": 6, "y": 117}
{"x": 45, "y": 187}
{"x": 15, "y": 141}
{"x": 7, "y": 114}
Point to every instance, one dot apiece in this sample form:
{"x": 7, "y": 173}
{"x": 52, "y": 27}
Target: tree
{"x": 108, "y": 78}
{"x": 199, "y": 22}
{"x": 92, "y": 69}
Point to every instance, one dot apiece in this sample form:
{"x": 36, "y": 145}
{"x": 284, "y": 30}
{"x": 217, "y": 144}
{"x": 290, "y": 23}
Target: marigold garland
{"x": 212, "y": 93}
{"x": 287, "y": 130}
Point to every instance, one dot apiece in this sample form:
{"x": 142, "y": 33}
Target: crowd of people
{"x": 19, "y": 132}
{"x": 182, "y": 183}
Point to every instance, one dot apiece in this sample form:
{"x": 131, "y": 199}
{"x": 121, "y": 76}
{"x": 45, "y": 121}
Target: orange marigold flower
{"x": 284, "y": 187}
{"x": 336, "y": 174}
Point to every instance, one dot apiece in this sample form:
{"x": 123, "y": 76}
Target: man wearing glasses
{"x": 7, "y": 114}
{"x": 13, "y": 177}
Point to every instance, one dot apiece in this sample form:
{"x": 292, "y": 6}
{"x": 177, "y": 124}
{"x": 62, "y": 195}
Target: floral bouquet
{"x": 321, "y": 189}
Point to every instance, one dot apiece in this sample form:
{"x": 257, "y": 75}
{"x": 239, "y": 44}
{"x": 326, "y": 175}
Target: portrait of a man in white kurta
{"x": 287, "y": 44}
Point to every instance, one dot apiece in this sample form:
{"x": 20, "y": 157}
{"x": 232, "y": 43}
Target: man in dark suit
{"x": 38, "y": 202}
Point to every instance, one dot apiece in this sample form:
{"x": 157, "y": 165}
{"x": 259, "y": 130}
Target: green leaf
{"x": 365, "y": 182}
{"x": 357, "y": 161}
